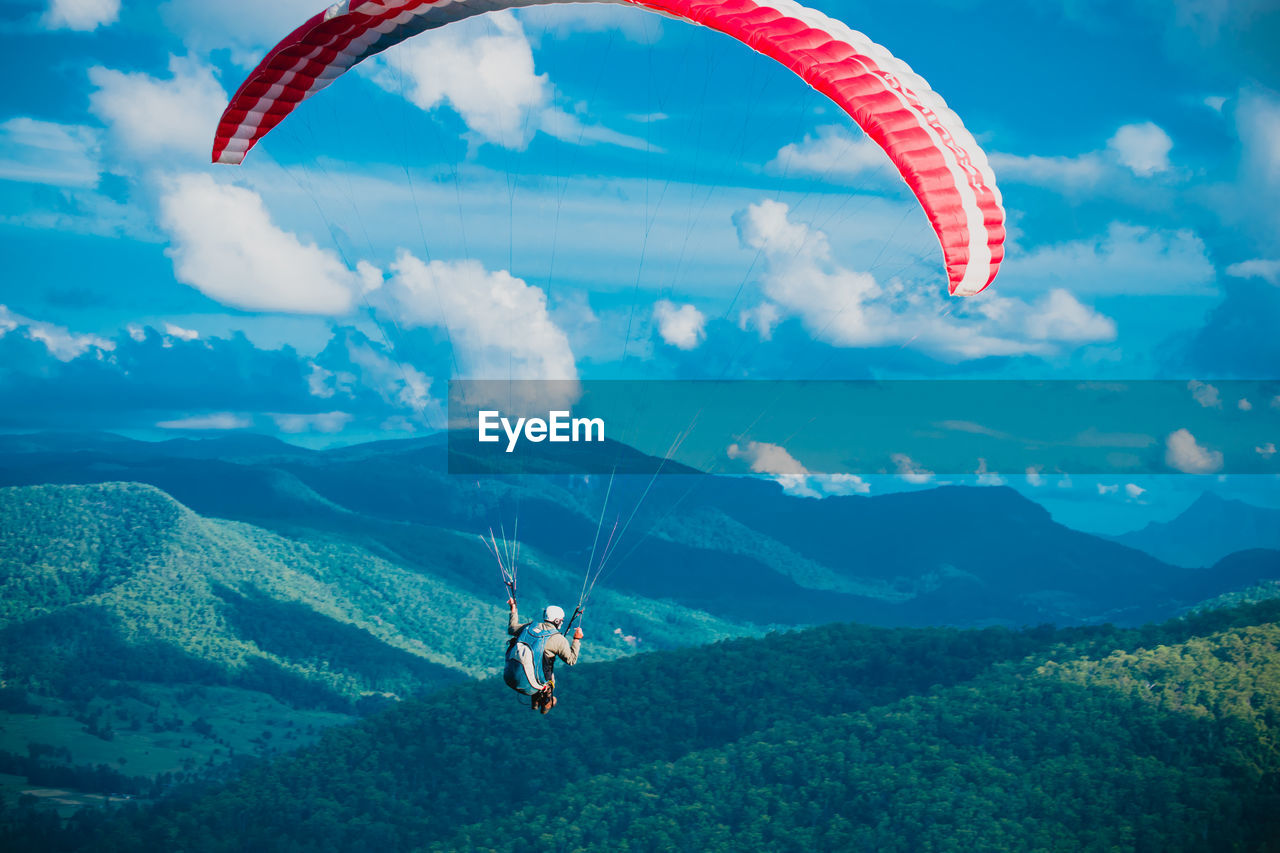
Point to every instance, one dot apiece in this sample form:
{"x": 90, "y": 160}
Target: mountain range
{"x": 1207, "y": 531}
{"x": 740, "y": 550}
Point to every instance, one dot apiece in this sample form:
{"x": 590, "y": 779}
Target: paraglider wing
{"x": 926, "y": 141}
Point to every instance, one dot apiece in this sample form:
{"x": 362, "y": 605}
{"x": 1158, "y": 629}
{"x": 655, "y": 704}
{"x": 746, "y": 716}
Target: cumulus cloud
{"x": 1266, "y": 451}
{"x": 1134, "y": 491}
{"x": 833, "y": 152}
{"x": 1183, "y": 453}
{"x": 842, "y": 484}
{"x": 563, "y": 20}
{"x": 224, "y": 244}
{"x": 395, "y": 382}
{"x": 1059, "y": 316}
{"x": 499, "y": 325}
{"x": 216, "y": 420}
{"x": 987, "y": 477}
{"x": 483, "y": 69}
{"x": 325, "y": 422}
{"x": 1071, "y": 174}
{"x": 44, "y": 152}
{"x": 324, "y": 383}
{"x": 1108, "y": 490}
{"x": 1267, "y": 270}
{"x": 1244, "y": 405}
{"x": 1204, "y": 394}
{"x": 1128, "y": 259}
{"x": 1034, "y": 477}
{"x": 150, "y": 116}
{"x": 180, "y": 333}
{"x": 1257, "y": 117}
{"x": 248, "y": 27}
{"x": 60, "y": 342}
{"x": 909, "y": 471}
{"x": 776, "y": 461}
{"x": 80, "y": 15}
{"x": 847, "y": 308}
{"x": 681, "y": 326}
{"x": 1141, "y": 148}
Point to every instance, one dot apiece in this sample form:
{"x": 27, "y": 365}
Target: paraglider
{"x": 532, "y": 653}
{"x": 934, "y": 153}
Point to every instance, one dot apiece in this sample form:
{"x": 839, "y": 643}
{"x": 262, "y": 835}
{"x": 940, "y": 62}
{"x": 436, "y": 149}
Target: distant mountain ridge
{"x": 1207, "y": 531}
{"x": 739, "y": 549}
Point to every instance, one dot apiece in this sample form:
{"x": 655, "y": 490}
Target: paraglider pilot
{"x": 532, "y": 653}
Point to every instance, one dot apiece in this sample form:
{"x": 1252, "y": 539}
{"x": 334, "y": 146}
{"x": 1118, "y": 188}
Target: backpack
{"x": 523, "y": 672}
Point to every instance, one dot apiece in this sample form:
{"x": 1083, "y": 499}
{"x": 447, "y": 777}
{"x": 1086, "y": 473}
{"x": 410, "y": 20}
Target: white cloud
{"x": 80, "y": 15}
{"x": 1244, "y": 405}
{"x": 1258, "y": 123}
{"x": 764, "y": 318}
{"x": 680, "y": 326}
{"x": 1257, "y": 117}
{"x": 327, "y": 422}
{"x": 1215, "y": 103}
{"x": 1267, "y": 270}
{"x": 567, "y": 127}
{"x": 483, "y": 69}
{"x": 1204, "y": 394}
{"x": 398, "y": 383}
{"x": 563, "y": 20}
{"x": 499, "y": 325}
{"x": 1072, "y": 174}
{"x": 1184, "y": 454}
{"x": 834, "y": 152}
{"x": 43, "y": 152}
{"x": 852, "y": 309}
{"x": 62, "y": 344}
{"x": 218, "y": 420}
{"x": 909, "y": 471}
{"x": 180, "y": 333}
{"x": 150, "y": 116}
{"x": 774, "y": 460}
{"x": 986, "y": 477}
{"x": 248, "y": 27}
{"x": 1108, "y": 490}
{"x": 324, "y": 383}
{"x": 1134, "y": 491}
{"x": 1266, "y": 451}
{"x": 1141, "y": 148}
{"x": 1059, "y": 316}
{"x": 1034, "y": 478}
{"x": 842, "y": 484}
{"x": 1128, "y": 259}
{"x": 224, "y": 244}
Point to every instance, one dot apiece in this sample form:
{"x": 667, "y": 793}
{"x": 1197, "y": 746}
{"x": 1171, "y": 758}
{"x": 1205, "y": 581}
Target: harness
{"x": 523, "y": 671}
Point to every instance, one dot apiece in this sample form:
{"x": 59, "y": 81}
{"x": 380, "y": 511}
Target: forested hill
{"x": 121, "y": 582}
{"x": 842, "y": 737}
{"x": 739, "y": 549}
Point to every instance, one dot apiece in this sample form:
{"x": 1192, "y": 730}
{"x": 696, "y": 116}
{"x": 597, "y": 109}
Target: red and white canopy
{"x": 936, "y": 156}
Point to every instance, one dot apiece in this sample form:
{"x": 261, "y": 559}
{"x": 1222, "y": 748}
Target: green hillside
{"x": 739, "y": 549}
{"x": 842, "y": 737}
{"x": 140, "y": 636}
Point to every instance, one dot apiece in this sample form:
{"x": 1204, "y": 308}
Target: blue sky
{"x": 597, "y": 192}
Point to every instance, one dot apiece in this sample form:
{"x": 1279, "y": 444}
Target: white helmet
{"x": 553, "y": 614}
